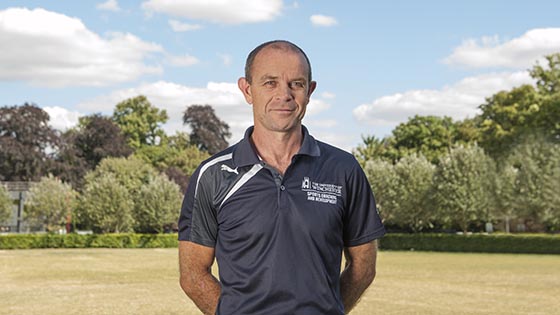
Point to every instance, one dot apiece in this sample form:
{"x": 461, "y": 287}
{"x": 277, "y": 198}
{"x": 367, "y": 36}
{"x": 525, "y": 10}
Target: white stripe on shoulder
{"x": 207, "y": 165}
{"x": 245, "y": 178}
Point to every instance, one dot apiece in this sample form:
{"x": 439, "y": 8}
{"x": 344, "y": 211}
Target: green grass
{"x": 145, "y": 281}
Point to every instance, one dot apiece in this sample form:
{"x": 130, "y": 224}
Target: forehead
{"x": 280, "y": 59}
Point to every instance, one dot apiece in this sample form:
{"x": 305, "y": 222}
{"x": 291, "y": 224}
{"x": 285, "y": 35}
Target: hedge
{"x": 31, "y": 241}
{"x": 494, "y": 243}
{"x": 476, "y": 243}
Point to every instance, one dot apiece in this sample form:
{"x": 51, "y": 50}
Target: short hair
{"x": 278, "y": 44}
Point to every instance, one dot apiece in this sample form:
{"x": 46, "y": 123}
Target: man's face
{"x": 279, "y": 90}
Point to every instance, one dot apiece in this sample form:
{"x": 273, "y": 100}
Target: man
{"x": 277, "y": 209}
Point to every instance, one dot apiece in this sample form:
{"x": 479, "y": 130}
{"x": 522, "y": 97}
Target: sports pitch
{"x": 145, "y": 281}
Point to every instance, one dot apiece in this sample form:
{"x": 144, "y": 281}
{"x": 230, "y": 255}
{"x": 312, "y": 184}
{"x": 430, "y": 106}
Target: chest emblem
{"x": 229, "y": 169}
{"x": 321, "y": 192}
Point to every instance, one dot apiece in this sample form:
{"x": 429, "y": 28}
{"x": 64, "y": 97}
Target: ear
{"x": 312, "y": 87}
{"x": 245, "y": 88}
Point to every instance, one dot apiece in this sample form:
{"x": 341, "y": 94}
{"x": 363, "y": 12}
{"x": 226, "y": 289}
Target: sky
{"x": 376, "y": 63}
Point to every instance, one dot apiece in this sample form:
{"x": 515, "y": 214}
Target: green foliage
{"x": 130, "y": 172}
{"x": 50, "y": 203}
{"x": 383, "y": 180}
{"x": 5, "y": 205}
{"x": 538, "y": 180}
{"x": 463, "y": 187}
{"x": 82, "y": 148}
{"x": 412, "y": 199}
{"x": 175, "y": 151}
{"x": 140, "y": 121}
{"x": 106, "y": 205}
{"x": 430, "y": 136}
{"x": 157, "y": 207}
{"x": 373, "y": 148}
{"x": 506, "y": 116}
{"x": 149, "y": 202}
{"x": 548, "y": 79}
{"x": 495, "y": 243}
{"x": 402, "y": 191}
{"x": 505, "y": 195}
{"x": 32, "y": 241}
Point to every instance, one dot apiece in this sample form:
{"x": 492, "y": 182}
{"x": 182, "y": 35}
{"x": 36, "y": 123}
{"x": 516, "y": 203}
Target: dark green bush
{"x": 31, "y": 241}
{"x": 495, "y": 243}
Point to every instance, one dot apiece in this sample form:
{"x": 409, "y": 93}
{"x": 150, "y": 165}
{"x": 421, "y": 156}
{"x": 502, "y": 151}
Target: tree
{"x": 82, "y": 149}
{"x": 548, "y": 79}
{"x": 99, "y": 137}
{"x": 105, "y": 205}
{"x": 140, "y": 122}
{"x": 373, "y": 148}
{"x": 463, "y": 187}
{"x": 538, "y": 177}
{"x": 25, "y": 138}
{"x": 156, "y": 210}
{"x": 505, "y": 117}
{"x": 505, "y": 195}
{"x": 175, "y": 156}
{"x": 383, "y": 180}
{"x": 5, "y": 205}
{"x": 430, "y": 136}
{"x": 50, "y": 203}
{"x": 413, "y": 193}
{"x": 154, "y": 199}
{"x": 131, "y": 172}
{"x": 508, "y": 116}
{"x": 208, "y": 132}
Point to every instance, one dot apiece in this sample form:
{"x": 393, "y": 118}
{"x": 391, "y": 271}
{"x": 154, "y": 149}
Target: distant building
{"x": 19, "y": 192}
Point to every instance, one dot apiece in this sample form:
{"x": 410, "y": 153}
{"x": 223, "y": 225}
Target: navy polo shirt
{"x": 279, "y": 239}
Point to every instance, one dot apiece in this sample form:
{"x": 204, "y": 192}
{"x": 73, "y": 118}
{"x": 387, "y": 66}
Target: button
{"x": 282, "y": 187}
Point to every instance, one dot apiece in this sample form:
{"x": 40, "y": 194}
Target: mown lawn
{"x": 145, "y": 281}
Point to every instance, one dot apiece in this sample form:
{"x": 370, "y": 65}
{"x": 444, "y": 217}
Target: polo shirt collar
{"x": 244, "y": 154}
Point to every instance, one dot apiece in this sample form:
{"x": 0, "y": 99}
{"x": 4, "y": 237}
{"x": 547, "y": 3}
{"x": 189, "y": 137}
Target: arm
{"x": 195, "y": 263}
{"x": 358, "y": 273}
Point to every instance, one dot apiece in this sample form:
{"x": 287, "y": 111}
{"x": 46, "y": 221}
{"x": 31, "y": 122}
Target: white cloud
{"x": 109, "y": 5}
{"x": 182, "y": 61}
{"x": 62, "y": 118}
{"x": 517, "y": 53}
{"x": 178, "y": 26}
{"x": 218, "y": 11}
{"x": 328, "y": 95}
{"x": 316, "y": 106}
{"x": 458, "y": 101}
{"x": 226, "y": 59}
{"x": 323, "y": 20}
{"x": 226, "y": 99}
{"x": 52, "y": 49}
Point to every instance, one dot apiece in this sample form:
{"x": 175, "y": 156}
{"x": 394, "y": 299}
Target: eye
{"x": 297, "y": 85}
{"x": 270, "y": 83}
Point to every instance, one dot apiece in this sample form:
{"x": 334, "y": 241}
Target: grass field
{"x": 145, "y": 281}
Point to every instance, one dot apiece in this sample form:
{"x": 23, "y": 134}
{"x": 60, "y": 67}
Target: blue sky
{"x": 376, "y": 63}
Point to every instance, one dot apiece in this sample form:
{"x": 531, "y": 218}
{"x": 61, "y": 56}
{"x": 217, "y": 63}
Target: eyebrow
{"x": 273, "y": 77}
{"x": 267, "y": 77}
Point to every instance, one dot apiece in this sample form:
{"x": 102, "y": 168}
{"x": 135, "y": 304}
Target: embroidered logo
{"x": 229, "y": 169}
{"x": 319, "y": 192}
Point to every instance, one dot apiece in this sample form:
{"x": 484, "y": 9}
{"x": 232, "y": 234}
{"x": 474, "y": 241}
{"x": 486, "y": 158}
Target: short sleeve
{"x": 362, "y": 222}
{"x": 198, "y": 221}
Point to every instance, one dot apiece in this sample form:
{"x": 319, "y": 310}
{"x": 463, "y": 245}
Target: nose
{"x": 284, "y": 93}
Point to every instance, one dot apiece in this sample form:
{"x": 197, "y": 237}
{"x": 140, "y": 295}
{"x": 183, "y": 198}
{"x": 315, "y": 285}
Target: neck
{"x": 277, "y": 148}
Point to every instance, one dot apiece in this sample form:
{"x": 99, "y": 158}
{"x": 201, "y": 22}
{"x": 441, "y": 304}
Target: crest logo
{"x": 305, "y": 183}
{"x": 321, "y": 192}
